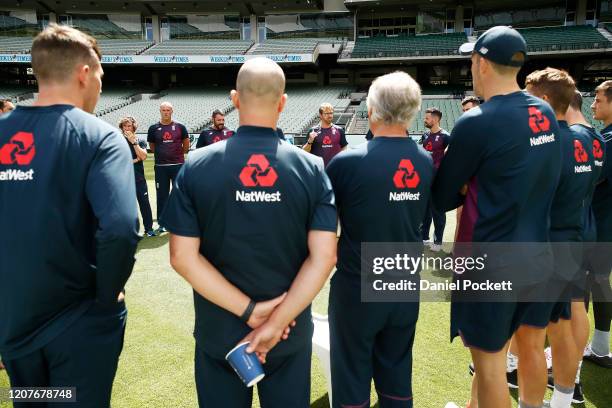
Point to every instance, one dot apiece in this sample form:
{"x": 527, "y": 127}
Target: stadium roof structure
{"x": 172, "y": 6}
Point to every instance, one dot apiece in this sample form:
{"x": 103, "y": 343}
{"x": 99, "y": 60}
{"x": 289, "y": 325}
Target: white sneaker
{"x": 451, "y": 405}
{"x": 427, "y": 243}
{"x": 436, "y": 247}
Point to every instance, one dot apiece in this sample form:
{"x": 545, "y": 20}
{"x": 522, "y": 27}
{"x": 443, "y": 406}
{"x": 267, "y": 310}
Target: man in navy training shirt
{"x": 256, "y": 240}
{"x": 598, "y": 351}
{"x": 5, "y": 107}
{"x": 577, "y": 181}
{"x": 435, "y": 141}
{"x": 169, "y": 142}
{"x": 379, "y": 343}
{"x": 68, "y": 257}
{"x": 579, "y": 318}
{"x": 216, "y": 132}
{"x": 326, "y": 140}
{"x": 514, "y": 176}
{"x": 138, "y": 148}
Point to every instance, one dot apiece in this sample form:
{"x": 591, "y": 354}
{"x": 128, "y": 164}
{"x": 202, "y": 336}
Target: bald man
{"x": 261, "y": 197}
{"x": 169, "y": 142}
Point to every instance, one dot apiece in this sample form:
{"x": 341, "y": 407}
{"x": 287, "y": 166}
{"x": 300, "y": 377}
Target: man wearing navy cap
{"x": 261, "y": 226}
{"x": 514, "y": 177}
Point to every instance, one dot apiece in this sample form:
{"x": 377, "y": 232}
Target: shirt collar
{"x": 251, "y": 131}
{"x": 607, "y": 129}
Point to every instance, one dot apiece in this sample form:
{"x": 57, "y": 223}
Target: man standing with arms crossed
{"x": 169, "y": 142}
{"x": 216, "y": 132}
{"x": 379, "y": 343}
{"x": 435, "y": 141}
{"x": 514, "y": 176}
{"x": 327, "y": 139}
{"x": 66, "y": 261}
{"x": 257, "y": 240}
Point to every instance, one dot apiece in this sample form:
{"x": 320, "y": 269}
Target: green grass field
{"x": 156, "y": 367}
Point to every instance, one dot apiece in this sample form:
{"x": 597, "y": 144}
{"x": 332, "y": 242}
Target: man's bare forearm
{"x": 307, "y": 284}
{"x": 206, "y": 279}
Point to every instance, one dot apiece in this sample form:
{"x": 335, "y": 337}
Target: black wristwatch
{"x": 248, "y": 311}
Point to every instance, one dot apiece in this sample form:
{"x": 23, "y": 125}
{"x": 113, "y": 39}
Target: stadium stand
{"x": 202, "y": 27}
{"x": 15, "y": 45}
{"x": 302, "y": 109}
{"x": 204, "y": 47}
{"x": 192, "y": 107}
{"x": 10, "y": 23}
{"x": 405, "y": 45}
{"x": 11, "y": 92}
{"x": 101, "y": 27}
{"x": 608, "y": 26}
{"x": 22, "y": 45}
{"x": 290, "y": 45}
{"x": 123, "y": 47}
{"x": 563, "y": 38}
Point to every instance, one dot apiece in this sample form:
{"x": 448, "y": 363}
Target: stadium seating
{"x": 563, "y": 38}
{"x": 608, "y": 26}
{"x": 15, "y": 45}
{"x": 99, "y": 26}
{"x": 204, "y": 47}
{"x": 302, "y": 109}
{"x": 192, "y": 107}
{"x": 409, "y": 45}
{"x": 8, "y": 23}
{"x": 123, "y": 47}
{"x": 10, "y": 92}
{"x": 289, "y": 45}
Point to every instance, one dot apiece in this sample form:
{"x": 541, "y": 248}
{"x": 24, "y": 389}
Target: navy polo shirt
{"x": 595, "y": 146}
{"x": 213, "y": 135}
{"x": 602, "y": 197}
{"x": 328, "y": 142}
{"x": 382, "y": 189}
{"x": 168, "y": 141}
{"x": 251, "y": 199}
{"x": 68, "y": 212}
{"x": 509, "y": 153}
{"x": 436, "y": 143}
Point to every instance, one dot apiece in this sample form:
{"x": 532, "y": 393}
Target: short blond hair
{"x": 325, "y": 106}
{"x": 394, "y": 99}
{"x": 557, "y": 84}
{"x": 128, "y": 119}
{"x": 58, "y": 49}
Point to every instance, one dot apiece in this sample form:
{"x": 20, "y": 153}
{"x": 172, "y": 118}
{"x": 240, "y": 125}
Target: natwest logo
{"x": 597, "y": 150}
{"x": 537, "y": 121}
{"x": 19, "y": 149}
{"x": 580, "y": 155}
{"x": 406, "y": 176}
{"x": 258, "y": 172}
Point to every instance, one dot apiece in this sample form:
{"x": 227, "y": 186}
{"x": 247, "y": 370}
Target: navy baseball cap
{"x": 498, "y": 44}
